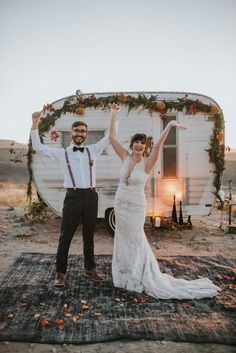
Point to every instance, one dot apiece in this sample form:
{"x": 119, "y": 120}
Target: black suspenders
{"x": 70, "y": 170}
{"x": 90, "y": 167}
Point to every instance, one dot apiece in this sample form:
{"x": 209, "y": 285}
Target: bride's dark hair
{"x": 143, "y": 138}
{"x": 138, "y": 137}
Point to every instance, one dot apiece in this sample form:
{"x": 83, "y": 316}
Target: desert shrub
{"x": 36, "y": 212}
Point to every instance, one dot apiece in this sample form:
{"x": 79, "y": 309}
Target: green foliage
{"x": 151, "y": 103}
{"x": 217, "y": 153}
{"x": 36, "y": 212}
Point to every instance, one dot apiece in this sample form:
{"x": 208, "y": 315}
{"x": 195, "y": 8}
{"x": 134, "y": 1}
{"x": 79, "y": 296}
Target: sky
{"x": 51, "y": 48}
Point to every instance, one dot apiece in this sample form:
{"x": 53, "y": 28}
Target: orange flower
{"x": 122, "y": 97}
{"x": 59, "y": 324}
{"x": 79, "y": 111}
{"x": 160, "y": 105}
{"x": 44, "y": 322}
{"x": 214, "y": 110}
{"x": 220, "y": 136}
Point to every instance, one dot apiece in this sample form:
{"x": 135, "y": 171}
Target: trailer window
{"x": 92, "y": 137}
{"x": 169, "y": 154}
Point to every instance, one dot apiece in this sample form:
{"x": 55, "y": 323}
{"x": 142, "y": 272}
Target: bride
{"x": 134, "y": 266}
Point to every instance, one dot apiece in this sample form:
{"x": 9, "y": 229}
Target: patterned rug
{"x": 32, "y": 310}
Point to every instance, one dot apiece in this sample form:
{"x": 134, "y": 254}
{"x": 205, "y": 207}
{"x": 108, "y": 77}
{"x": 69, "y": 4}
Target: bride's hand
{"x": 179, "y": 126}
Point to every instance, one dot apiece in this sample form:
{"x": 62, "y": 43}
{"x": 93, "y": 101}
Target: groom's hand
{"x": 36, "y": 116}
{"x": 115, "y": 108}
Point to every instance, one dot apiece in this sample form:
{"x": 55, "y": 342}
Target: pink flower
{"x": 48, "y": 107}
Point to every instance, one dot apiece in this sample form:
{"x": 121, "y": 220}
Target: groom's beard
{"x": 78, "y": 140}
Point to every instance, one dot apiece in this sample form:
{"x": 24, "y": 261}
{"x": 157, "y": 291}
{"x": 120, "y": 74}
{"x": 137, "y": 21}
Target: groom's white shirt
{"x": 79, "y": 161}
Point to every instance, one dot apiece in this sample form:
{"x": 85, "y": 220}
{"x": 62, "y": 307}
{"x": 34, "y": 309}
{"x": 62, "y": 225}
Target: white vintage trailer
{"x": 183, "y": 168}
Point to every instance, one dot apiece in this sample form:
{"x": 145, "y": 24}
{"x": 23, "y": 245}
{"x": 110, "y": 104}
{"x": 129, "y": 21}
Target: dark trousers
{"x": 80, "y": 206}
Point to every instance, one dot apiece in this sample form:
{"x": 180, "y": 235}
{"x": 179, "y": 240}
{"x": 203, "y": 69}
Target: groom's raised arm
{"x": 36, "y": 143}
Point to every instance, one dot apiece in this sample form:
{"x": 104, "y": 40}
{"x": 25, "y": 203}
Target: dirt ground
{"x": 206, "y": 238}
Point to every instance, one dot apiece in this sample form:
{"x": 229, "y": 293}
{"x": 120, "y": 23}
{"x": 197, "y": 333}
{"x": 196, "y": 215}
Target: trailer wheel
{"x": 110, "y": 220}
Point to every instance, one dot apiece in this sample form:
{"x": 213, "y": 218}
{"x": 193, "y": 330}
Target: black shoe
{"x": 95, "y": 275}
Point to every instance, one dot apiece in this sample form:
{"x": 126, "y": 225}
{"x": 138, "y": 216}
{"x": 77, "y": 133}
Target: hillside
{"x": 7, "y": 144}
{"x": 10, "y": 171}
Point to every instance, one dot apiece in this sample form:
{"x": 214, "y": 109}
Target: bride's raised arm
{"x": 120, "y": 151}
{"x": 153, "y": 157}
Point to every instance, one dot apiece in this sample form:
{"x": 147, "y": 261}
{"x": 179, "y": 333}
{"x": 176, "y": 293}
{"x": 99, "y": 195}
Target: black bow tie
{"x": 81, "y": 149}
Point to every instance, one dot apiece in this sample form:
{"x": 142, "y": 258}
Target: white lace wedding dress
{"x": 134, "y": 265}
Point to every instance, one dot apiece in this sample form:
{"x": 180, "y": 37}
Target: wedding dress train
{"x": 134, "y": 266}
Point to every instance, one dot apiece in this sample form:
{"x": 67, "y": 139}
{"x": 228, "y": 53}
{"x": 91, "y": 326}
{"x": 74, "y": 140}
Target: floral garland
{"x": 217, "y": 153}
{"x": 77, "y": 104}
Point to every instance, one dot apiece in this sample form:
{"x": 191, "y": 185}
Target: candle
{"x": 157, "y": 221}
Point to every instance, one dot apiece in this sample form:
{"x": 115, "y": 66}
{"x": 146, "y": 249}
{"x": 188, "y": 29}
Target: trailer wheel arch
{"x": 110, "y": 220}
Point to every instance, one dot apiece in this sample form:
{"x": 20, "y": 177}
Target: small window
{"x": 169, "y": 162}
{"x": 169, "y": 151}
{"x": 92, "y": 137}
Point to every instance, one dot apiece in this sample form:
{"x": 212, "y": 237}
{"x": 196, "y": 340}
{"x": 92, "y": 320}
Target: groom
{"x": 81, "y": 200}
